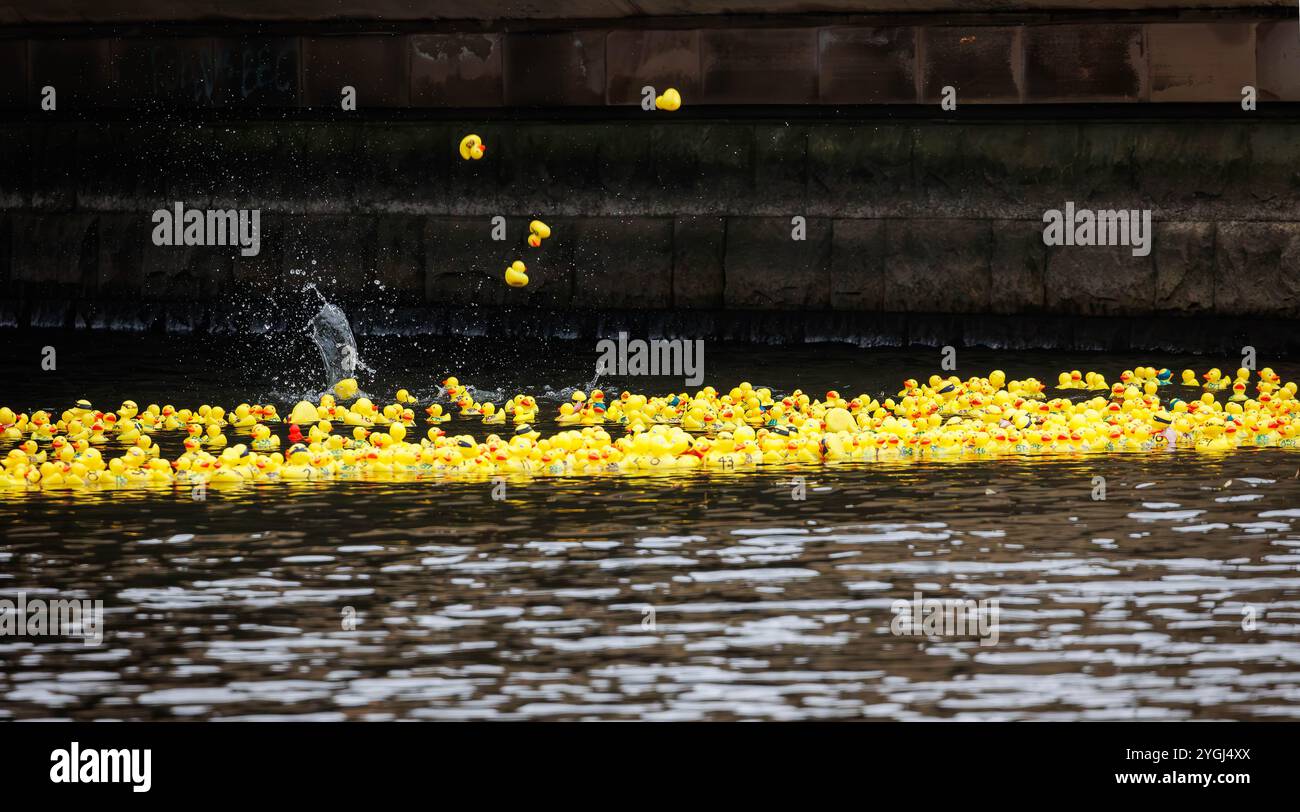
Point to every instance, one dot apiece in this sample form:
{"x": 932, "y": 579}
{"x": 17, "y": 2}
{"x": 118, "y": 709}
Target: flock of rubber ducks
{"x": 742, "y": 429}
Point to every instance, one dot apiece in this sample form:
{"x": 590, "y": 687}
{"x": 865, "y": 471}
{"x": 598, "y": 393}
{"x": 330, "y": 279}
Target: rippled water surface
{"x": 1176, "y": 597}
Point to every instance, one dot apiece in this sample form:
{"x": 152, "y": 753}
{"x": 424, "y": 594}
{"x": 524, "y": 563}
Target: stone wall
{"x": 823, "y": 61}
{"x": 917, "y": 224}
{"x": 901, "y": 217}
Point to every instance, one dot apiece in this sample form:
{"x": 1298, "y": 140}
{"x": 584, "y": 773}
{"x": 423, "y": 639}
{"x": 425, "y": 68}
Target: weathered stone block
{"x": 13, "y": 74}
{"x": 937, "y": 266}
{"x": 858, "y": 171}
{"x": 1258, "y": 269}
{"x": 166, "y": 72}
{"x": 188, "y": 168}
{"x": 6, "y": 256}
{"x": 55, "y": 254}
{"x": 982, "y": 63}
{"x": 376, "y": 65}
{"x": 336, "y": 253}
{"x": 456, "y": 70}
{"x": 974, "y": 170}
{"x": 121, "y": 164}
{"x": 702, "y": 171}
{"x": 322, "y": 170}
{"x": 760, "y": 66}
{"x": 1085, "y": 62}
{"x": 1184, "y": 258}
{"x": 1277, "y": 61}
{"x": 261, "y": 279}
{"x": 53, "y": 165}
{"x": 1105, "y": 167}
{"x": 15, "y": 166}
{"x": 400, "y": 259}
{"x": 1274, "y": 173}
{"x": 79, "y": 70}
{"x": 1019, "y": 265}
{"x": 867, "y": 65}
{"x": 252, "y": 171}
{"x": 123, "y": 240}
{"x": 858, "y": 265}
{"x": 699, "y": 245}
{"x": 563, "y": 69}
{"x": 765, "y": 269}
{"x": 660, "y": 59}
{"x": 256, "y": 71}
{"x": 1197, "y": 62}
{"x": 1178, "y": 165}
{"x": 622, "y": 263}
{"x": 184, "y": 272}
{"x": 555, "y": 167}
{"x": 416, "y": 167}
{"x": 1099, "y": 281}
{"x": 781, "y": 169}
{"x": 626, "y": 176}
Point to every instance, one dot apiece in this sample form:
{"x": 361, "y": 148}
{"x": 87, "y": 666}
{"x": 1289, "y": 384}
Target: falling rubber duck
{"x": 346, "y": 389}
{"x": 517, "y": 275}
{"x": 669, "y": 100}
{"x": 472, "y": 147}
{"x": 538, "y": 231}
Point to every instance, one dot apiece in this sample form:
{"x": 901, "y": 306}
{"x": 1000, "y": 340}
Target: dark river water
{"x": 701, "y": 596}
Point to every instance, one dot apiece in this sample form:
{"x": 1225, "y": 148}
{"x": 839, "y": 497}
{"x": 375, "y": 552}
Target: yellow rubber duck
{"x": 538, "y": 231}
{"x": 491, "y": 415}
{"x": 436, "y": 414}
{"x": 264, "y": 440}
{"x": 669, "y": 100}
{"x": 472, "y": 147}
{"x": 516, "y": 275}
{"x": 346, "y": 389}
{"x": 214, "y": 438}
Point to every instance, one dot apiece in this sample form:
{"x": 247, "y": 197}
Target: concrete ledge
{"x": 1221, "y": 337}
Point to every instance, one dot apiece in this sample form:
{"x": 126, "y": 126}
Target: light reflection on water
{"x": 765, "y": 607}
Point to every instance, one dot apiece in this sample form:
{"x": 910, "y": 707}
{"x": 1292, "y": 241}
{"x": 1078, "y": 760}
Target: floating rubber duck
{"x": 669, "y": 100}
{"x": 516, "y": 275}
{"x": 304, "y": 412}
{"x": 264, "y": 440}
{"x": 472, "y": 147}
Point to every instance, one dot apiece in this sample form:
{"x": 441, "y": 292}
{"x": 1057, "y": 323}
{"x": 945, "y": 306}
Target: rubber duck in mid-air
{"x": 669, "y": 100}
{"x": 538, "y": 231}
{"x": 472, "y": 147}
{"x": 517, "y": 275}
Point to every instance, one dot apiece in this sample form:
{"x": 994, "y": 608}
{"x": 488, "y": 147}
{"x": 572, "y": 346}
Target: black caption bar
{"x": 135, "y": 763}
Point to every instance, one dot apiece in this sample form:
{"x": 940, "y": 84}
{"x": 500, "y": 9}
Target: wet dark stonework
{"x": 913, "y": 224}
